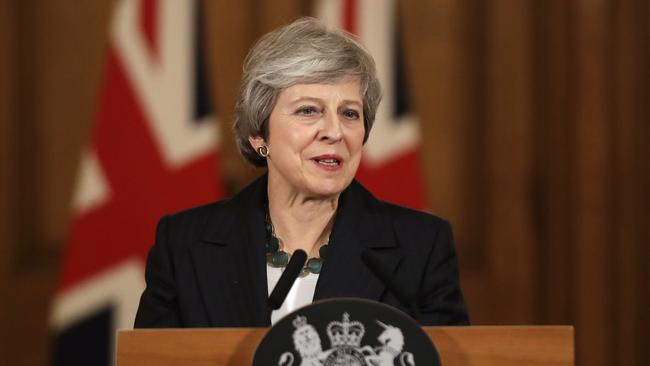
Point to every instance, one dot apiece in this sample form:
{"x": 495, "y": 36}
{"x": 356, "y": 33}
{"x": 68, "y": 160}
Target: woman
{"x": 307, "y": 104}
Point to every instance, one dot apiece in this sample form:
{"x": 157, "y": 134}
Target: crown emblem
{"x": 299, "y": 322}
{"x": 345, "y": 333}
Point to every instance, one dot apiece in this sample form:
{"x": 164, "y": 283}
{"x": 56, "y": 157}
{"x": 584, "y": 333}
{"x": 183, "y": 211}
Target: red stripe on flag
{"x": 148, "y": 23}
{"x": 350, "y": 16}
{"x": 396, "y": 180}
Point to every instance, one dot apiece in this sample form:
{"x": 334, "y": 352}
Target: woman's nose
{"x": 331, "y": 127}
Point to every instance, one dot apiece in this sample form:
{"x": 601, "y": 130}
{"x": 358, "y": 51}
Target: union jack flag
{"x": 153, "y": 150}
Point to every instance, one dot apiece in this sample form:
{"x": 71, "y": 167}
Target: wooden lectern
{"x": 457, "y": 346}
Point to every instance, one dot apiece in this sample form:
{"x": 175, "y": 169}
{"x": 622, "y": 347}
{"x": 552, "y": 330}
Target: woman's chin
{"x": 328, "y": 189}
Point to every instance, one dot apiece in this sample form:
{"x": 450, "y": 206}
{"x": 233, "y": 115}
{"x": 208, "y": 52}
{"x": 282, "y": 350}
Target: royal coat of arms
{"x": 346, "y": 345}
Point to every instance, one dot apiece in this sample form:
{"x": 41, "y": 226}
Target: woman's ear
{"x": 256, "y": 142}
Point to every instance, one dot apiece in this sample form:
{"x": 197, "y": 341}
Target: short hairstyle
{"x": 303, "y": 52}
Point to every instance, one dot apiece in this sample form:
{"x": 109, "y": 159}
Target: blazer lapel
{"x": 230, "y": 261}
{"x": 360, "y": 225}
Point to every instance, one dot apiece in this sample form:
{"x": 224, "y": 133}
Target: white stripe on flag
{"x": 120, "y": 287}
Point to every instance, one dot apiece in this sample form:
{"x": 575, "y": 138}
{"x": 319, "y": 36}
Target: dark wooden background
{"x": 534, "y": 113}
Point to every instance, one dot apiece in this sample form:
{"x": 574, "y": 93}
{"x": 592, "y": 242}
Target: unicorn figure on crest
{"x": 391, "y": 345}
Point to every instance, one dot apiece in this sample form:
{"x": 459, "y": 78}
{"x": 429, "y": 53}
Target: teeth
{"x": 331, "y": 162}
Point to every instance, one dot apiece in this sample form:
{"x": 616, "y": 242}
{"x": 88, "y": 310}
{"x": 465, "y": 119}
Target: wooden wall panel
{"x": 56, "y": 55}
{"x": 592, "y": 169}
{"x": 227, "y": 38}
{"x": 559, "y": 198}
{"x": 630, "y": 154}
{"x": 57, "y": 78}
{"x": 472, "y": 81}
{"x": 508, "y": 158}
{"x": 642, "y": 332}
{"x": 7, "y": 162}
{"x": 552, "y": 178}
{"x": 68, "y": 69}
{"x": 432, "y": 40}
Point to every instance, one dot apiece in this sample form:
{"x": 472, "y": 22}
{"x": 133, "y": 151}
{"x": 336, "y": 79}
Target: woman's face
{"x": 315, "y": 138}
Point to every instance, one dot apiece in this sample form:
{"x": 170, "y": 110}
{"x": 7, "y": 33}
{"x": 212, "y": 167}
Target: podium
{"x": 457, "y": 346}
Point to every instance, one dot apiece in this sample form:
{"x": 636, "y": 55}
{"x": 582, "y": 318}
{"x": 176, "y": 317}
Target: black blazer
{"x": 207, "y": 267}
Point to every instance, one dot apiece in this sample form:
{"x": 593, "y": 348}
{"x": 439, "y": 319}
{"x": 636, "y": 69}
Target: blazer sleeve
{"x": 159, "y": 302}
{"x": 440, "y": 300}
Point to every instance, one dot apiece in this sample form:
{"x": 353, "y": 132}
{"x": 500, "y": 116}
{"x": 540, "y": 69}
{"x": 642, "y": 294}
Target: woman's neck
{"x": 301, "y": 222}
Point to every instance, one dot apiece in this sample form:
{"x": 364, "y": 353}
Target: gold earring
{"x": 263, "y": 151}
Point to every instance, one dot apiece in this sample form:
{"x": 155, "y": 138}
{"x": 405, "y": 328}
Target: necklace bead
{"x": 275, "y": 257}
{"x": 314, "y": 265}
{"x": 280, "y": 259}
{"x": 322, "y": 251}
{"x": 272, "y": 245}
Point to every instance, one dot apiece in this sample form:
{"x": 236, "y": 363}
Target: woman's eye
{"x": 307, "y": 111}
{"x": 351, "y": 114}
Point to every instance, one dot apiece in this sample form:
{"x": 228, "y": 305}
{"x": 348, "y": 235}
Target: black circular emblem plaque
{"x": 346, "y": 332}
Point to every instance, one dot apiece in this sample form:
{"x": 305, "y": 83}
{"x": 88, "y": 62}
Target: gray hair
{"x": 303, "y": 52}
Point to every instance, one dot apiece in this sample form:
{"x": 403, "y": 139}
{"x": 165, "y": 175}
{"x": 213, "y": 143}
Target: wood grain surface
{"x": 476, "y": 346}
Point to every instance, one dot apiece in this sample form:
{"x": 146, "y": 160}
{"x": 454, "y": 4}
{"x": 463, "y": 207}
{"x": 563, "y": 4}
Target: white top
{"x": 301, "y": 293}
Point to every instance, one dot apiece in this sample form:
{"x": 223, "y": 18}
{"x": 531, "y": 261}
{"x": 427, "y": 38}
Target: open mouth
{"x": 328, "y": 161}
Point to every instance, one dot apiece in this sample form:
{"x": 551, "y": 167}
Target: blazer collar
{"x": 360, "y": 217}
{"x": 362, "y": 223}
{"x": 245, "y": 211}
{"x": 230, "y": 263}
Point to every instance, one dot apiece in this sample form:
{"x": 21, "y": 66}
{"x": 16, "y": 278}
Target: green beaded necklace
{"x": 277, "y": 258}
